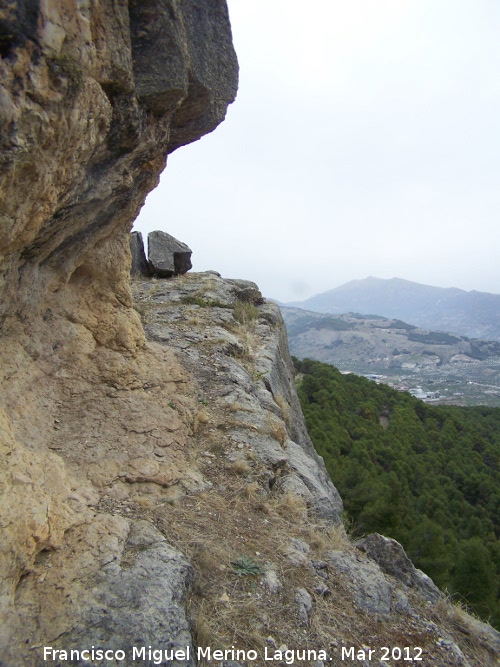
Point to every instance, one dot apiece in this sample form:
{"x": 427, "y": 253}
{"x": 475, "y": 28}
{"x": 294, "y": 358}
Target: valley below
{"x": 434, "y": 366}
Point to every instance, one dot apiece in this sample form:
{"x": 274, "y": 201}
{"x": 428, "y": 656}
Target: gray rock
{"x": 140, "y": 266}
{"x": 268, "y": 392}
{"x": 272, "y": 582}
{"x": 322, "y": 589}
{"x": 372, "y": 592}
{"x": 392, "y": 558}
{"x": 305, "y": 605}
{"x": 182, "y": 35}
{"x": 321, "y": 568}
{"x": 297, "y": 552}
{"x": 140, "y": 601}
{"x": 278, "y": 386}
{"x": 167, "y": 256}
{"x": 299, "y": 545}
{"x": 401, "y": 603}
{"x": 167, "y": 72}
{"x": 247, "y": 291}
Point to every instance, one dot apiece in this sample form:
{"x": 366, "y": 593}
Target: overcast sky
{"x": 365, "y": 140}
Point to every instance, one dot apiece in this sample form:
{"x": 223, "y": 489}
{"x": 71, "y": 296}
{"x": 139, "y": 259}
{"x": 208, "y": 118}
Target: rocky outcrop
{"x": 92, "y": 99}
{"x": 167, "y": 256}
{"x": 93, "y": 96}
{"x": 270, "y": 499}
{"x": 254, "y": 380}
{"x": 392, "y": 559}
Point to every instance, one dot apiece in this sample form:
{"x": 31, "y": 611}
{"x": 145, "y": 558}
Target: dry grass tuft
{"x": 201, "y": 629}
{"x": 292, "y": 506}
{"x": 249, "y": 344}
{"x": 277, "y": 430}
{"x": 455, "y": 612}
{"x": 200, "y": 417}
{"x": 327, "y": 538}
{"x": 239, "y": 407}
{"x": 240, "y": 467}
{"x": 245, "y": 313}
{"x": 251, "y": 490}
{"x": 281, "y": 402}
{"x": 194, "y": 320}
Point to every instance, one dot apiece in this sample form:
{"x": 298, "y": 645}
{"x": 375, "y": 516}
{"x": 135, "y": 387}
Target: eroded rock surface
{"x": 270, "y": 500}
{"x": 392, "y": 558}
{"x": 244, "y": 367}
{"x": 93, "y": 96}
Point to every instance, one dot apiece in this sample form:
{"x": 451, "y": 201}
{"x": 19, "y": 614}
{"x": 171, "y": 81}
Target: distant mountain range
{"x": 474, "y": 314}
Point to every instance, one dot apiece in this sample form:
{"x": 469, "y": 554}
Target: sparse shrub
{"x": 245, "y": 566}
{"x": 194, "y": 300}
{"x": 217, "y": 449}
{"x": 245, "y": 312}
{"x": 199, "y": 299}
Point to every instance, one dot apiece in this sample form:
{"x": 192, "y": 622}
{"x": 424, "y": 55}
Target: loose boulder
{"x": 167, "y": 256}
{"x": 140, "y": 266}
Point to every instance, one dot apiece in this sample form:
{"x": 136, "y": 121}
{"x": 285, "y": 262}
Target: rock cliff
{"x": 158, "y": 487}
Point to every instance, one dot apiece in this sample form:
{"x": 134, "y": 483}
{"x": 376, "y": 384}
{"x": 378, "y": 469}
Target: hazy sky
{"x": 365, "y": 140}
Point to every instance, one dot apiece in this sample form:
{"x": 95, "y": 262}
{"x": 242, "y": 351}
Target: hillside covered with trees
{"x": 428, "y": 476}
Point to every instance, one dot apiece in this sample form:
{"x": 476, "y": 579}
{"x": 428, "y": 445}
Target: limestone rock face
{"x": 372, "y": 592}
{"x": 92, "y": 98}
{"x": 267, "y": 417}
{"x": 391, "y": 558}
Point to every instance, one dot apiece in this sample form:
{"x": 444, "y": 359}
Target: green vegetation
{"x": 428, "y": 476}
{"x": 360, "y": 316}
{"x": 399, "y": 324}
{"x": 433, "y": 338}
{"x": 317, "y": 322}
{"x": 332, "y": 324}
{"x": 245, "y": 566}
